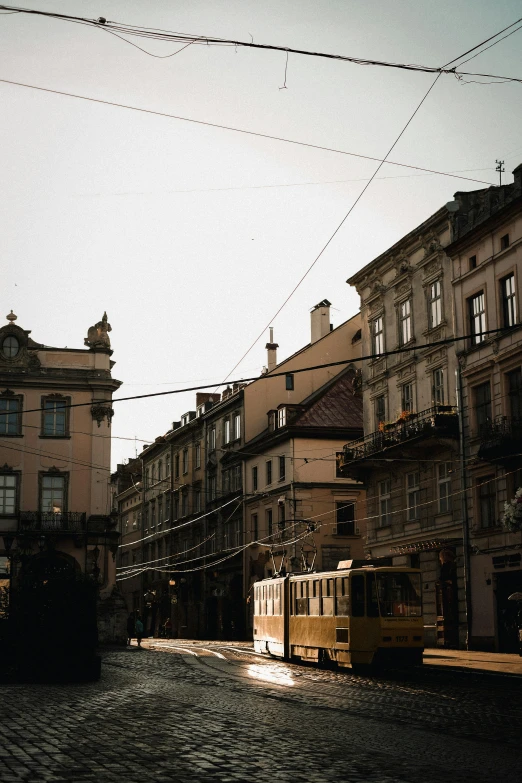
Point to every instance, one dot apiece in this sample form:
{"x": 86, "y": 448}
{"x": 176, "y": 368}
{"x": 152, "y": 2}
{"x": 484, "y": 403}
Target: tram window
{"x": 358, "y": 595}
{"x": 342, "y": 597}
{"x": 301, "y": 601}
{"x": 277, "y": 599}
{"x": 328, "y": 597}
{"x": 270, "y": 601}
{"x": 313, "y": 600}
{"x": 372, "y": 610}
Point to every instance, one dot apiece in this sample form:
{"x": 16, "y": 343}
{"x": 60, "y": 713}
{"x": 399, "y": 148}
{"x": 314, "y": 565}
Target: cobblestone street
{"x": 193, "y": 711}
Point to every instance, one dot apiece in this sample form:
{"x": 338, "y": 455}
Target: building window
{"x": 405, "y": 322}
{"x": 184, "y": 503}
{"x": 160, "y": 470}
{"x": 10, "y": 415}
{"x": 167, "y": 508}
{"x": 514, "y": 383}
{"x": 225, "y": 482}
{"x": 289, "y": 381}
{"x": 160, "y": 511}
{"x": 438, "y": 386}
{"x": 10, "y": 346}
{"x": 378, "y": 335}
{"x": 167, "y": 466}
{"x": 227, "y": 431}
{"x": 384, "y": 502}
{"x": 509, "y": 300}
{"x": 53, "y": 494}
{"x": 281, "y": 417}
{"x": 197, "y": 455}
{"x": 8, "y": 487}
{"x": 54, "y": 417}
{"x": 153, "y": 515}
{"x": 254, "y": 478}
{"x": 482, "y": 400}
{"x": 504, "y": 242}
{"x": 444, "y": 487}
{"x": 477, "y": 317}
{"x": 255, "y": 527}
{"x": 345, "y": 518}
{"x": 487, "y": 501}
{"x": 176, "y": 507}
{"x": 237, "y": 481}
{"x": 269, "y": 524}
{"x": 282, "y": 470}
{"x": 473, "y": 262}
{"x": 176, "y": 466}
{"x": 435, "y": 304}
{"x": 212, "y": 439}
{"x": 407, "y": 397}
{"x": 237, "y": 426}
{"x": 197, "y": 500}
{"x": 380, "y": 409}
{"x": 212, "y": 486}
{"x": 412, "y": 495}
{"x": 269, "y": 471}
{"x": 185, "y": 461}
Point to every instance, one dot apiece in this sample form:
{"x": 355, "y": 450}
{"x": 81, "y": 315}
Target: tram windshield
{"x": 399, "y": 594}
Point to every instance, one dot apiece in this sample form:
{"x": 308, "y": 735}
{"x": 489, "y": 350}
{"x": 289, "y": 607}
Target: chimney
{"x": 271, "y": 351}
{"x": 320, "y": 320}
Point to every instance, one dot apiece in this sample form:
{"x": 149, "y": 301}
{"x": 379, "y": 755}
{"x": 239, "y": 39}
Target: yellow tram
{"x": 359, "y": 615}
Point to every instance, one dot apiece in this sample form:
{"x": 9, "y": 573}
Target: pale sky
{"x": 191, "y": 237}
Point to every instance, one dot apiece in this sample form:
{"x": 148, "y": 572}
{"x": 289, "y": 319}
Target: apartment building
{"x": 55, "y": 504}
{"x": 486, "y": 254}
{"x": 409, "y": 455}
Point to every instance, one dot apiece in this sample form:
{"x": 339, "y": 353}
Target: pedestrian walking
{"x": 131, "y": 628}
{"x": 167, "y": 628}
{"x": 139, "y": 630}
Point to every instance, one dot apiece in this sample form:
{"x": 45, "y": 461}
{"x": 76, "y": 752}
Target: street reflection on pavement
{"x": 278, "y": 675}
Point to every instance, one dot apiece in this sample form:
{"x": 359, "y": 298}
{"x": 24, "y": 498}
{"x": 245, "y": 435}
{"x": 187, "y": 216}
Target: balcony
{"x": 441, "y": 421}
{"x": 500, "y": 439}
{"x": 49, "y": 522}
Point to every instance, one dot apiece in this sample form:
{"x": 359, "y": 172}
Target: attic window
{"x": 504, "y": 242}
{"x": 289, "y": 381}
{"x": 281, "y": 417}
{"x": 473, "y": 262}
{"x": 356, "y": 337}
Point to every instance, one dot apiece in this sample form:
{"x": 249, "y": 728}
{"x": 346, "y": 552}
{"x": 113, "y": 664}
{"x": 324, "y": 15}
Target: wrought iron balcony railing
{"x": 48, "y": 521}
{"x": 500, "y": 438}
{"x": 439, "y": 421}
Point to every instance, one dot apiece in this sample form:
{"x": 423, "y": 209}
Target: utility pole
{"x": 500, "y": 168}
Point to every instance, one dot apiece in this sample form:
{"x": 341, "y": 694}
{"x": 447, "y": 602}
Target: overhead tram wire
{"x": 359, "y": 198}
{"x": 345, "y": 218}
{"x": 171, "y": 569}
{"x": 257, "y": 134}
{"x": 351, "y": 360}
{"x": 119, "y": 30}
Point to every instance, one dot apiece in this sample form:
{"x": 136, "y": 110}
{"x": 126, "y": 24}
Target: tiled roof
{"x": 337, "y": 407}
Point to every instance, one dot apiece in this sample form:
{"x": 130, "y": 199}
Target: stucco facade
{"x": 55, "y": 414}
{"x": 487, "y": 278}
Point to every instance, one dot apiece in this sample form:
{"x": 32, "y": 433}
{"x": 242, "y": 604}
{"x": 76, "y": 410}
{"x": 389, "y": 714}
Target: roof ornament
{"x": 11, "y": 317}
{"x": 98, "y": 335}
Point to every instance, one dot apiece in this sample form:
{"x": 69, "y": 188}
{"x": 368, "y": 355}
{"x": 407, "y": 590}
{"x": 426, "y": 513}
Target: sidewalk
{"x": 477, "y": 662}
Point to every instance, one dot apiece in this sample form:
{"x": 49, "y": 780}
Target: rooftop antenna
{"x": 500, "y": 168}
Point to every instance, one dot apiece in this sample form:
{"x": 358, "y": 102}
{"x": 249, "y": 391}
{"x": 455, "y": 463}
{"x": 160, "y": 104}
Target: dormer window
{"x": 281, "y": 417}
{"x": 184, "y": 419}
{"x": 10, "y": 347}
{"x": 272, "y": 421}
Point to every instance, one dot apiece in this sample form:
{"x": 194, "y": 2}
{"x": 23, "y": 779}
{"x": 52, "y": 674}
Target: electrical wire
{"x": 500, "y": 331}
{"x": 257, "y": 134}
{"x": 119, "y": 30}
{"x": 304, "y": 535}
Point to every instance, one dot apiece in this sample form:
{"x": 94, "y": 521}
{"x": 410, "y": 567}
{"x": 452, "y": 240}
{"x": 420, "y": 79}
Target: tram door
{"x": 364, "y": 622}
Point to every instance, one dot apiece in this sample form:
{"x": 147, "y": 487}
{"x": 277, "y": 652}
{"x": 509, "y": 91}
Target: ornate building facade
{"x": 55, "y": 445}
{"x": 486, "y": 254}
{"x": 409, "y": 455}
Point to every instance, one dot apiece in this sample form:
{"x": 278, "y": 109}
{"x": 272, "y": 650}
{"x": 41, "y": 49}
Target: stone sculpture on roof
{"x": 98, "y": 335}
